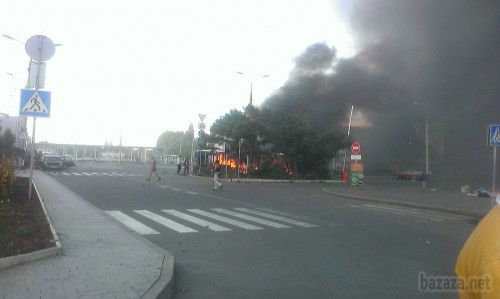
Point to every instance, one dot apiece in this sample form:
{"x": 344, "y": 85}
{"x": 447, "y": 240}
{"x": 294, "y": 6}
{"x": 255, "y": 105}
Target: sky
{"x": 138, "y": 68}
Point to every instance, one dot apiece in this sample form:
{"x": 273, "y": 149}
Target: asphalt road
{"x": 301, "y": 243}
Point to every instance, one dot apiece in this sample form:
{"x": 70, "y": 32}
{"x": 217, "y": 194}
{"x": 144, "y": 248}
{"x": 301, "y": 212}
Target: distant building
{"x": 17, "y": 126}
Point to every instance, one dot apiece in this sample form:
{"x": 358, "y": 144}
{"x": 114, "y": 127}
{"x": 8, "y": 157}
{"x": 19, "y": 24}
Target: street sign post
{"x": 494, "y": 141}
{"x": 34, "y": 102}
{"x": 356, "y": 168}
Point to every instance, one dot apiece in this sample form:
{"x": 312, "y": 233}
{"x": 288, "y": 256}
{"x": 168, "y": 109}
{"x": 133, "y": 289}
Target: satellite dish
{"x": 40, "y": 48}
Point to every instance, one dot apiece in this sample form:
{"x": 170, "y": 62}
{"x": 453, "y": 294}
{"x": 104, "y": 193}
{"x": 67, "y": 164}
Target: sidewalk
{"x": 411, "y": 194}
{"x": 100, "y": 258}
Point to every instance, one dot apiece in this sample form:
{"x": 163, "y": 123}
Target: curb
{"x": 163, "y": 287}
{"x": 271, "y": 180}
{"x": 285, "y": 181}
{"x": 16, "y": 260}
{"x": 475, "y": 216}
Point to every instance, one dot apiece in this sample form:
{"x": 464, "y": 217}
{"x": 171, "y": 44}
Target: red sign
{"x": 357, "y": 167}
{"x": 355, "y": 148}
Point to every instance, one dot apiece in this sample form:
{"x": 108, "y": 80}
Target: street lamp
{"x": 348, "y": 135}
{"x": 427, "y": 171}
{"x": 11, "y": 75}
{"x": 21, "y": 42}
{"x": 251, "y": 83}
{"x": 13, "y": 39}
{"x": 239, "y": 156}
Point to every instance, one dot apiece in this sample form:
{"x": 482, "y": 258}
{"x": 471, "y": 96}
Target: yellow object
{"x": 6, "y": 176}
{"x": 480, "y": 259}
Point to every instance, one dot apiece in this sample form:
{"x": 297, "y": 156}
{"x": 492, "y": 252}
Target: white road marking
{"x": 252, "y": 218}
{"x": 275, "y": 217}
{"x": 164, "y": 187}
{"x": 192, "y": 192}
{"x": 198, "y": 221}
{"x": 115, "y": 173}
{"x": 399, "y": 212}
{"x": 166, "y": 222}
{"x": 76, "y": 173}
{"x": 65, "y": 173}
{"x": 105, "y": 173}
{"x": 131, "y": 223}
{"x": 175, "y": 189}
{"x": 87, "y": 174}
{"x": 236, "y": 223}
{"x": 413, "y": 212}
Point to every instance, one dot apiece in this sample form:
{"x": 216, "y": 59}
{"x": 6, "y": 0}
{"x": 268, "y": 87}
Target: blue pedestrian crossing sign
{"x": 35, "y": 103}
{"x": 494, "y": 135}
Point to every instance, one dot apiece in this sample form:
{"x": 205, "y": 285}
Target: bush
{"x": 23, "y": 231}
{"x": 7, "y": 176}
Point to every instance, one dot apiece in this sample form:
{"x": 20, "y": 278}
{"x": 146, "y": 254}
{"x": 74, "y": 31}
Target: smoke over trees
{"x": 440, "y": 54}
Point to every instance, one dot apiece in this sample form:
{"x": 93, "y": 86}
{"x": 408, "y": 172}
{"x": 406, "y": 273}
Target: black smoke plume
{"x": 442, "y": 55}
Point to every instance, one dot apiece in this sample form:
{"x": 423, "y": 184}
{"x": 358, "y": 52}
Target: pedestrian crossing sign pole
{"x": 494, "y": 141}
{"x": 35, "y": 102}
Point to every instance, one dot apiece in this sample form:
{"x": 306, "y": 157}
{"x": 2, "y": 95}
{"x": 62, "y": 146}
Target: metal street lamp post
{"x": 348, "y": 135}
{"x": 427, "y": 166}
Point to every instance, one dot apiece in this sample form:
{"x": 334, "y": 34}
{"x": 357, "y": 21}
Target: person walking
{"x": 186, "y": 166}
{"x": 216, "y": 170}
{"x": 153, "y": 170}
{"x": 179, "y": 167}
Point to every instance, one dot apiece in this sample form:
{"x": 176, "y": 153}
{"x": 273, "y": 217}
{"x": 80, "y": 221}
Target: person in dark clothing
{"x": 186, "y": 166}
{"x": 179, "y": 167}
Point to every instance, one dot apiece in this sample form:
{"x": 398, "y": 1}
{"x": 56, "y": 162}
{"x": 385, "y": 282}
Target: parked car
{"x": 68, "y": 161}
{"x": 52, "y": 162}
{"x": 410, "y": 175}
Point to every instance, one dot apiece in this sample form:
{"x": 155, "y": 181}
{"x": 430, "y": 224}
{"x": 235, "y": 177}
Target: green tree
{"x": 304, "y": 151}
{"x": 7, "y": 151}
{"x": 231, "y": 127}
{"x": 7, "y": 141}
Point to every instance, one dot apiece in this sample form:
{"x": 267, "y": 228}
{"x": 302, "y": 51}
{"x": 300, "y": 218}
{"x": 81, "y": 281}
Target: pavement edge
{"x": 270, "y": 181}
{"x": 20, "y": 259}
{"x": 163, "y": 287}
{"x": 474, "y": 216}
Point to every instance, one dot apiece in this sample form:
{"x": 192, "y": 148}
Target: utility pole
{"x": 251, "y": 94}
{"x": 192, "y": 154}
{"x": 427, "y": 171}
{"x": 239, "y": 158}
{"x": 348, "y": 134}
{"x": 121, "y": 135}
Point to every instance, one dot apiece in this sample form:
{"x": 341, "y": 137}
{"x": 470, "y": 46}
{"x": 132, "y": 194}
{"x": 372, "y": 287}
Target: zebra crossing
{"x": 198, "y": 220}
{"x": 89, "y": 174}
